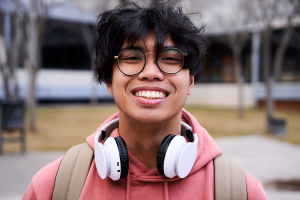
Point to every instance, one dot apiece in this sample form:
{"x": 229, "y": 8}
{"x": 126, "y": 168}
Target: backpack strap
{"x": 230, "y": 180}
{"x": 72, "y": 172}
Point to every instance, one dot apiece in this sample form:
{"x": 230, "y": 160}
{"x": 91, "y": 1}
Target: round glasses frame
{"x": 117, "y": 57}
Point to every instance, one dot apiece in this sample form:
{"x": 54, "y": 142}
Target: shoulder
{"x": 254, "y": 189}
{"x": 41, "y": 186}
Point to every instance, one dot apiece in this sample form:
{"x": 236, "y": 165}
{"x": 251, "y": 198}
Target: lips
{"x": 147, "y": 94}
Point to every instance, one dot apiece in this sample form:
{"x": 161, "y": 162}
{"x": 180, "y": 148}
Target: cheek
{"x": 119, "y": 83}
{"x": 115, "y": 80}
{"x": 186, "y": 82}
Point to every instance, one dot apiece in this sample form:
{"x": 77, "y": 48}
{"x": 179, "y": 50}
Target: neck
{"x": 143, "y": 139}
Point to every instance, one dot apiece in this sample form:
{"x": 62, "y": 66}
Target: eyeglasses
{"x": 133, "y": 61}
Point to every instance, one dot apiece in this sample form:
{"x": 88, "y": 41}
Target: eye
{"x": 171, "y": 56}
{"x": 131, "y": 56}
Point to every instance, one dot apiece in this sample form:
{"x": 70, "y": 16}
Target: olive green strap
{"x": 230, "y": 180}
{"x": 72, "y": 172}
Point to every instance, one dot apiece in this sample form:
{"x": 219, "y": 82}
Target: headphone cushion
{"x": 123, "y": 156}
{"x": 162, "y": 153}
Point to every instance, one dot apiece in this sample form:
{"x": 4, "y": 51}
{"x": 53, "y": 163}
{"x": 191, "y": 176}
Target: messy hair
{"x": 130, "y": 22}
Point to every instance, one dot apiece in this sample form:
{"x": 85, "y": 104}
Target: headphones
{"x": 175, "y": 156}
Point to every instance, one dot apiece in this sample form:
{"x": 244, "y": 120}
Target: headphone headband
{"x": 105, "y": 131}
{"x": 175, "y": 156}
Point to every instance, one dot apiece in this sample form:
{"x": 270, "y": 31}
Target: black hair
{"x": 131, "y": 22}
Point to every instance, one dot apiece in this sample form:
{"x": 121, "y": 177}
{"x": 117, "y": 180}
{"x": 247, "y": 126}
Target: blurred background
{"x": 250, "y": 84}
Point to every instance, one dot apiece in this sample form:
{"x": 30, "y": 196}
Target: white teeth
{"x": 157, "y": 95}
{"x": 150, "y": 94}
{"x": 161, "y": 95}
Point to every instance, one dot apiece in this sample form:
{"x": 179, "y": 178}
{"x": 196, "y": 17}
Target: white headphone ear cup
{"x": 102, "y": 160}
{"x": 114, "y": 158}
{"x": 186, "y": 160}
{"x": 170, "y": 161}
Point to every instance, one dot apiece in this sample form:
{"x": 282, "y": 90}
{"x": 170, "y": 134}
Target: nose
{"x": 151, "y": 70}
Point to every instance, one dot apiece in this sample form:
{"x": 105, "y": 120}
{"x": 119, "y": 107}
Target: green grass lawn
{"x": 224, "y": 122}
{"x": 60, "y": 127}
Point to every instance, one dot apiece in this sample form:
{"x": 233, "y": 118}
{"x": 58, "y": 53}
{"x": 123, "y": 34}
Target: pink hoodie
{"x": 142, "y": 183}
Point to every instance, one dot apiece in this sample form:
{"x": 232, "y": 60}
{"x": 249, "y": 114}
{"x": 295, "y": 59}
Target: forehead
{"x": 148, "y": 43}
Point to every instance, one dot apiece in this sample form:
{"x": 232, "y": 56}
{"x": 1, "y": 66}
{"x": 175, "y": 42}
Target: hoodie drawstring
{"x": 128, "y": 184}
{"x": 166, "y": 187}
{"x": 166, "y": 190}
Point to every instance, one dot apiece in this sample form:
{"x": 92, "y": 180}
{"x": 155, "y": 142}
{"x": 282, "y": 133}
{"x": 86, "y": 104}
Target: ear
{"x": 191, "y": 86}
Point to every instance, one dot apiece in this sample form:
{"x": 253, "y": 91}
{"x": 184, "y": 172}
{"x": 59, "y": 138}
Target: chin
{"x": 155, "y": 117}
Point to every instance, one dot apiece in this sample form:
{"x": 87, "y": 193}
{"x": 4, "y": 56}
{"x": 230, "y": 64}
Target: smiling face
{"x": 150, "y": 96}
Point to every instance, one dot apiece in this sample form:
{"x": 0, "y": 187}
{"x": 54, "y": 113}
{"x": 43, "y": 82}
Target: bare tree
{"x": 32, "y": 63}
{"x": 35, "y": 25}
{"x": 12, "y": 51}
{"x": 268, "y": 11}
{"x": 88, "y": 32}
{"x": 237, "y": 43}
{"x": 232, "y": 24}
{"x": 238, "y": 36}
{"x": 288, "y": 33}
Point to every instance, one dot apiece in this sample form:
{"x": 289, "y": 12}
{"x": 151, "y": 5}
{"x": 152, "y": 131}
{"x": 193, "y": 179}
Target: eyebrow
{"x": 133, "y": 47}
{"x": 170, "y": 47}
{"x": 141, "y": 48}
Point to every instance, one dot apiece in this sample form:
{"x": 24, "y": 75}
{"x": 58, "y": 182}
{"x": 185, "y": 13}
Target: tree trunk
{"x": 15, "y": 51}
{"x": 32, "y": 100}
{"x": 12, "y": 52}
{"x": 88, "y": 35}
{"x": 32, "y": 64}
{"x": 239, "y": 78}
{"x": 269, "y": 81}
{"x": 237, "y": 42}
{"x": 279, "y": 55}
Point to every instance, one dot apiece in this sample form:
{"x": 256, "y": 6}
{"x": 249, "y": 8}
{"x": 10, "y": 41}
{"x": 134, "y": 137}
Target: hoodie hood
{"x": 142, "y": 183}
{"x": 207, "y": 150}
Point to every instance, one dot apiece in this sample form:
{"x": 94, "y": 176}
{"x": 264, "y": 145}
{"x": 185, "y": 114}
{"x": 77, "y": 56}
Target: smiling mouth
{"x": 150, "y": 94}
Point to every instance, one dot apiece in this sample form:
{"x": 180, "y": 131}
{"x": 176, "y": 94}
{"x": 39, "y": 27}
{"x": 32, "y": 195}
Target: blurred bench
{"x": 277, "y": 126}
{"x": 12, "y": 119}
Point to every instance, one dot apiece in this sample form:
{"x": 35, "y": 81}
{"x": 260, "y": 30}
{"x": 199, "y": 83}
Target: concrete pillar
{"x": 255, "y": 57}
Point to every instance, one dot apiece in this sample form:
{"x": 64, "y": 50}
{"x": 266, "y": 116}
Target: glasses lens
{"x": 170, "y": 60}
{"x": 131, "y": 61}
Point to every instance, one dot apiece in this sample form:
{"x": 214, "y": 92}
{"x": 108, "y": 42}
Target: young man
{"x": 149, "y": 58}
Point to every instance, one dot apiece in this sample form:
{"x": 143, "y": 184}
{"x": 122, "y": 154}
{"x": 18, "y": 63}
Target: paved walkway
{"x": 266, "y": 160}
{"x": 263, "y": 158}
{"x": 16, "y": 171}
